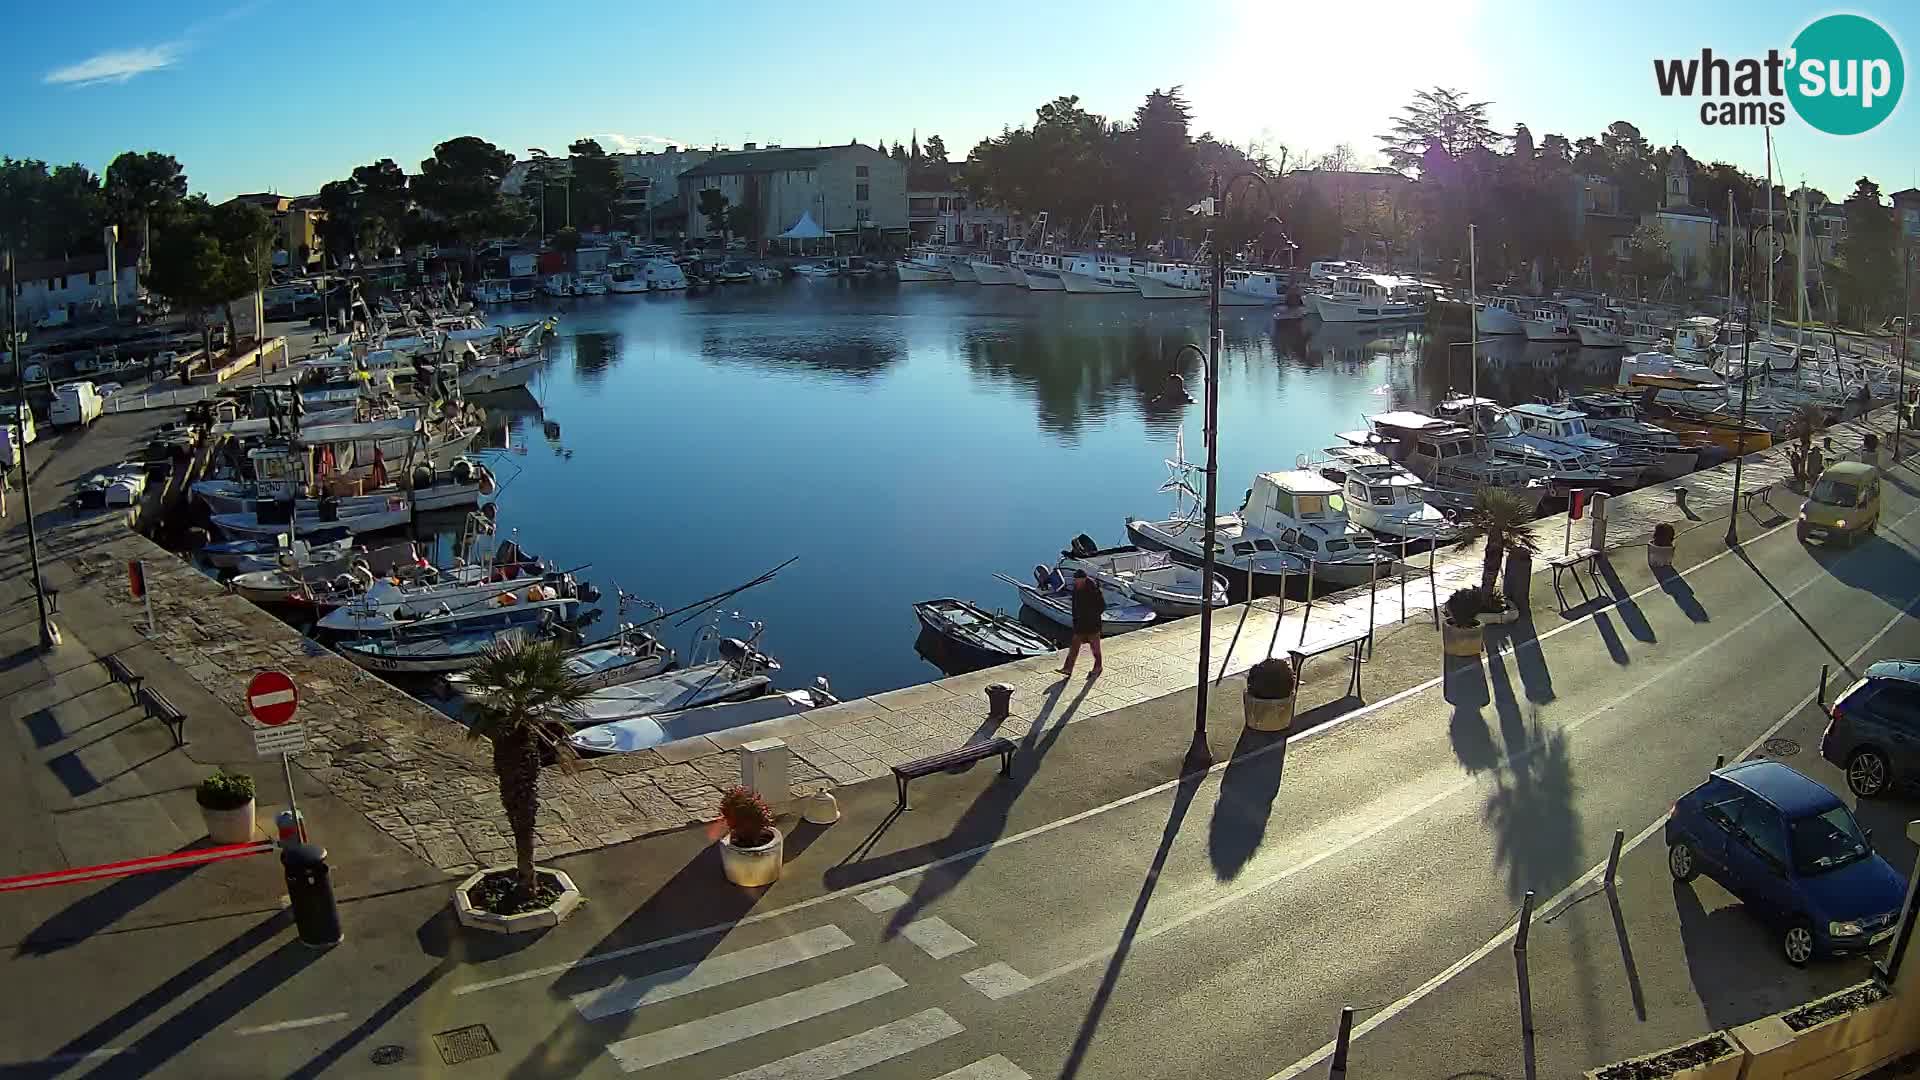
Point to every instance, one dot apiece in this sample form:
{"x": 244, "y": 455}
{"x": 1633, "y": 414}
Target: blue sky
{"x": 279, "y": 95}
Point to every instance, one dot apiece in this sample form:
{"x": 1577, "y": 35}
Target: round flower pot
{"x": 1502, "y": 617}
{"x": 1659, "y": 556}
{"x": 475, "y": 917}
{"x": 754, "y": 866}
{"x": 233, "y": 826}
{"x": 1461, "y": 640}
{"x": 1268, "y": 714}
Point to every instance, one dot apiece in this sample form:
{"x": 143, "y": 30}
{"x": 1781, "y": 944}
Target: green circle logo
{"x": 1847, "y": 74}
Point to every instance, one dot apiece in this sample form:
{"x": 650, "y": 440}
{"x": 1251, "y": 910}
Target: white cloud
{"x": 115, "y": 66}
{"x": 630, "y": 144}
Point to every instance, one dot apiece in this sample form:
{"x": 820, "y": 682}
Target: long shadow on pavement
{"x": 1735, "y": 963}
{"x": 1245, "y": 802}
{"x": 1616, "y": 649}
{"x": 1531, "y": 812}
{"x": 1083, "y": 1040}
{"x": 1838, "y": 660}
{"x": 1631, "y": 616}
{"x": 103, "y": 907}
{"x": 1523, "y": 644}
{"x": 1677, "y": 587}
{"x": 1465, "y": 686}
{"x": 177, "y": 986}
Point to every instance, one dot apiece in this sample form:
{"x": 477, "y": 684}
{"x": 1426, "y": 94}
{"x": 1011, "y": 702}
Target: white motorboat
{"x": 987, "y": 272}
{"x": 502, "y": 374}
{"x": 1640, "y": 334}
{"x": 815, "y": 269}
{"x": 1173, "y": 590}
{"x": 1039, "y": 272}
{"x": 593, "y": 283}
{"x": 558, "y": 286}
{"x": 663, "y": 275}
{"x": 923, "y": 266}
{"x": 291, "y": 556}
{"x": 235, "y": 554}
{"x": 1172, "y": 281}
{"x": 1501, "y": 315}
{"x": 623, "y": 277}
{"x": 1454, "y": 461}
{"x": 629, "y": 656}
{"x": 1552, "y": 320}
{"x": 437, "y": 650}
{"x": 394, "y": 514}
{"x": 741, "y": 672}
{"x": 468, "y": 590}
{"x": 1051, "y": 598}
{"x": 1385, "y": 498}
{"x": 1567, "y": 428}
{"x": 1252, "y": 562}
{"x": 645, "y": 732}
{"x": 1599, "y": 330}
{"x": 1366, "y": 298}
{"x": 960, "y": 267}
{"x": 1260, "y": 288}
{"x": 1304, "y": 512}
{"x": 1097, "y": 273}
{"x": 1616, "y": 420}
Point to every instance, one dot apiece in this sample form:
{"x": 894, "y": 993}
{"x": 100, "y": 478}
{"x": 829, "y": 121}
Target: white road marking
{"x": 747, "y": 1021}
{"x": 883, "y": 900}
{"x": 937, "y": 938}
{"x": 630, "y": 994}
{"x": 1442, "y": 795}
{"x": 975, "y": 852}
{"x": 91, "y": 1055}
{"x": 856, "y": 1052}
{"x": 989, "y": 1068}
{"x": 997, "y": 981}
{"x": 277, "y": 697}
{"x": 1567, "y": 894}
{"x": 291, "y": 1025}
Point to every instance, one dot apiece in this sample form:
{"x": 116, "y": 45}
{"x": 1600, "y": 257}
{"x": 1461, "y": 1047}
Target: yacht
{"x": 988, "y": 272}
{"x": 1694, "y": 339}
{"x": 663, "y": 274}
{"x": 815, "y": 269}
{"x": 1564, "y": 427}
{"x": 624, "y": 278}
{"x": 1454, "y": 461}
{"x": 1385, "y": 498}
{"x": 1261, "y": 288}
{"x": 1501, "y": 315}
{"x": 1366, "y": 298}
{"x": 959, "y": 266}
{"x": 1097, "y": 272}
{"x": 1252, "y": 561}
{"x": 1552, "y": 320}
{"x": 591, "y": 284}
{"x": 1615, "y": 419}
{"x": 1599, "y": 330}
{"x": 1304, "y": 512}
{"x": 1642, "y": 334}
{"x": 1172, "y": 281}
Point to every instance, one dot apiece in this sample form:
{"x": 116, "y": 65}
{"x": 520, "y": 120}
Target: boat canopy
{"x": 1408, "y": 421}
{"x": 805, "y": 229}
{"x": 396, "y": 427}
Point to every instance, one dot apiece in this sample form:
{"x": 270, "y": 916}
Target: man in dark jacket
{"x": 1088, "y": 606}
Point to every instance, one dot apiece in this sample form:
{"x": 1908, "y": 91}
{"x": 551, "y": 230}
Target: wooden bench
{"x": 119, "y": 672}
{"x": 954, "y": 760}
{"x": 1763, "y": 493}
{"x": 1334, "y": 643}
{"x": 1574, "y": 561}
{"x": 163, "y": 710}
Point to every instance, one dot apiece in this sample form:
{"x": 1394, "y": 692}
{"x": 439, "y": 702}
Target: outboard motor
{"x": 329, "y": 508}
{"x": 1039, "y": 576}
{"x": 734, "y": 651}
{"x": 463, "y": 471}
{"x": 590, "y": 593}
{"x": 1083, "y": 546}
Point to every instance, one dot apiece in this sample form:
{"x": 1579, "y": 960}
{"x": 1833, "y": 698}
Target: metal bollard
{"x": 1719, "y": 762}
{"x": 1340, "y": 1043}
{"x": 1520, "y": 964}
{"x": 1613, "y": 857}
{"x": 310, "y": 890}
{"x": 292, "y": 826}
{"x": 999, "y": 700}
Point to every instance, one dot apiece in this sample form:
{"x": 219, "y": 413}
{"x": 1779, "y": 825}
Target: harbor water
{"x": 908, "y": 441}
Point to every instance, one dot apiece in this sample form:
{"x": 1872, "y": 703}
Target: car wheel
{"x": 1867, "y": 774}
{"x": 1681, "y": 862}
{"x": 1796, "y": 943}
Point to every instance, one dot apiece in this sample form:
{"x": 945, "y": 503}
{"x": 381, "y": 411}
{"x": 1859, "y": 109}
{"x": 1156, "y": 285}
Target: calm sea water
{"x": 908, "y": 441}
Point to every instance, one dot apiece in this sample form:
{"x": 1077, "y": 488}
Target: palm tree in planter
{"x": 1807, "y": 421}
{"x": 1502, "y": 517}
{"x": 520, "y": 699}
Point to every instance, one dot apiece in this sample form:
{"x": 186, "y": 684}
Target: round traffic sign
{"x": 271, "y": 698}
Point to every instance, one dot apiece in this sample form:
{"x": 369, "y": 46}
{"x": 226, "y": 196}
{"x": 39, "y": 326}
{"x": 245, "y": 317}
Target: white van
{"x": 75, "y": 404}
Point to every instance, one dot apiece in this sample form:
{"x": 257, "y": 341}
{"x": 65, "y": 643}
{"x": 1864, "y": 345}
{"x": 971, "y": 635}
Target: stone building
{"x": 849, "y": 191}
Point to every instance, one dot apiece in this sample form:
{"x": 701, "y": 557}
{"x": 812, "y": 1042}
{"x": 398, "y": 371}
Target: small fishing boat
{"x": 466, "y": 592}
{"x": 438, "y": 654}
{"x": 629, "y": 656}
{"x": 1051, "y": 598}
{"x": 233, "y": 554}
{"x": 644, "y": 732}
{"x": 1152, "y": 578}
{"x": 978, "y": 635}
{"x": 741, "y": 672}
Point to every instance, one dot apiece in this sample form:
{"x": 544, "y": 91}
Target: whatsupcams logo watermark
{"x": 1843, "y": 75}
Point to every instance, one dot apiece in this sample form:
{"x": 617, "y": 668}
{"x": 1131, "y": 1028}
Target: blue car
{"x": 1789, "y": 849}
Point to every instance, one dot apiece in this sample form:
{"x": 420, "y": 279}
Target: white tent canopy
{"x": 804, "y": 229}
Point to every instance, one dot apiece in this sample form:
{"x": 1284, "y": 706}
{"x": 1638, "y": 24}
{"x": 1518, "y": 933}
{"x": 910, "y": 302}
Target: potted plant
{"x": 226, "y": 803}
{"x": 1501, "y": 516}
{"x": 1460, "y": 629}
{"x": 1712, "y": 1057}
{"x": 752, "y": 851}
{"x": 1660, "y": 548}
{"x": 1269, "y": 696}
{"x": 1497, "y": 610}
{"x": 1870, "y": 451}
{"x": 520, "y": 697}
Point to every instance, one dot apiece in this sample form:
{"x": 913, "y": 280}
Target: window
{"x": 1382, "y": 496}
{"x": 1283, "y": 501}
{"x": 1311, "y": 505}
{"x": 1243, "y": 548}
{"x": 1291, "y": 537}
{"x": 862, "y": 215}
{"x": 1825, "y": 842}
{"x": 860, "y": 193}
{"x": 1897, "y": 703}
{"x": 1265, "y": 545}
{"x": 859, "y": 170}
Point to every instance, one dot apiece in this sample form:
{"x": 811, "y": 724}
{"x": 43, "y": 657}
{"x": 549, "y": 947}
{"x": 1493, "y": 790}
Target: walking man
{"x": 1088, "y": 606}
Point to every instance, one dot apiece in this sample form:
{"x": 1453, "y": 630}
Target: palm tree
{"x": 518, "y": 694}
{"x": 1502, "y": 516}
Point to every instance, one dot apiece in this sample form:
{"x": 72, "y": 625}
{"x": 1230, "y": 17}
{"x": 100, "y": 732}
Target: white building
{"x": 78, "y": 286}
{"x": 846, "y": 190}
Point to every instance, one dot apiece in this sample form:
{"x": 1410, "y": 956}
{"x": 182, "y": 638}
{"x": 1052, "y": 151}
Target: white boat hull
{"x": 1230, "y": 297}
{"x": 637, "y": 285}
{"x": 993, "y": 273}
{"x": 1155, "y": 288}
{"x": 913, "y": 272}
{"x": 1335, "y": 310}
{"x": 962, "y": 270}
{"x": 1042, "y": 280}
{"x": 232, "y": 497}
{"x": 1490, "y": 320}
{"x": 493, "y": 378}
{"x": 1088, "y": 284}
{"x": 1601, "y": 339}
{"x": 1116, "y": 619}
{"x": 1544, "y": 331}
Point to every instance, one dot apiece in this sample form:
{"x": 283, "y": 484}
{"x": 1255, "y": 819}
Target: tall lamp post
{"x": 1198, "y": 755}
{"x": 49, "y": 634}
{"x": 1746, "y": 384}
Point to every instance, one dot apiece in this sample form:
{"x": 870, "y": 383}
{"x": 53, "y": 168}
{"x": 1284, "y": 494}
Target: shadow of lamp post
{"x": 49, "y": 634}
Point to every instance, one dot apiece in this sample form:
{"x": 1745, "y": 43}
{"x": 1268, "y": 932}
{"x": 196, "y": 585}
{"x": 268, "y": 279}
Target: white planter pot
{"x": 538, "y": 919}
{"x": 1659, "y": 556}
{"x": 1461, "y": 640}
{"x": 1502, "y": 617}
{"x": 756, "y": 866}
{"x": 229, "y": 826}
{"x": 1268, "y": 714}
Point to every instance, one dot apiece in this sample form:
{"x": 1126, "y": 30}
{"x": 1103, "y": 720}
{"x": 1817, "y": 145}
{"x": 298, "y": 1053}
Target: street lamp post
{"x": 49, "y": 634}
{"x": 1746, "y": 386}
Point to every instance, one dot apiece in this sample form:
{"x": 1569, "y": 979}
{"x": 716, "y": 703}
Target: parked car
{"x": 1844, "y": 504}
{"x": 1874, "y": 733}
{"x": 1792, "y": 852}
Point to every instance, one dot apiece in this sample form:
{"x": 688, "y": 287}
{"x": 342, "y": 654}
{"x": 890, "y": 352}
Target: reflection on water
{"x": 909, "y": 441}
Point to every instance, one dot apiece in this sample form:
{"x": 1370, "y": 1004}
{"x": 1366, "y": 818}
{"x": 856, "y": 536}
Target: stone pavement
{"x": 412, "y": 773}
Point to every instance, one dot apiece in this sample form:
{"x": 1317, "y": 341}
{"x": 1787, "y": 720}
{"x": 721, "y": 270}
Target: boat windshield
{"x": 1380, "y": 496}
{"x": 1265, "y": 545}
{"x": 1310, "y": 506}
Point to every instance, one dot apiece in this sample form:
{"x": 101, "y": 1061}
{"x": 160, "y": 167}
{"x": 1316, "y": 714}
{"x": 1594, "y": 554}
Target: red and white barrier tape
{"x": 177, "y": 860}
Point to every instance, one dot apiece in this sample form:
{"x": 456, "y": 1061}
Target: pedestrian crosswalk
{"x": 821, "y": 1003}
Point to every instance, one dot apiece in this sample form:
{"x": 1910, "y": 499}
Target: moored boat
{"x": 1051, "y": 598}
{"x": 645, "y": 732}
{"x": 980, "y": 636}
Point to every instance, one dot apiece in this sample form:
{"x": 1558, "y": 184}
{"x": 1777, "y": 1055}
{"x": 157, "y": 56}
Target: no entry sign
{"x": 271, "y": 698}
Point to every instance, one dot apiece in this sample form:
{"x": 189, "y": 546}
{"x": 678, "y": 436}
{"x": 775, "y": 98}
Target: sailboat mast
{"x": 1769, "y": 133}
{"x": 1800, "y": 260}
{"x": 1473, "y": 329}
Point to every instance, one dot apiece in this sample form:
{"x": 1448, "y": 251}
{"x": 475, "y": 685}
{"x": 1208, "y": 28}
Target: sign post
{"x": 137, "y": 585}
{"x": 1576, "y": 507}
{"x": 272, "y": 699}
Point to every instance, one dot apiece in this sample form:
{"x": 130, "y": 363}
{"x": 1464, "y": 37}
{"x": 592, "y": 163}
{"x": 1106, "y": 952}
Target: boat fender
{"x": 590, "y": 593}
{"x": 463, "y": 471}
{"x": 422, "y": 477}
{"x": 487, "y": 486}
{"x": 507, "y": 599}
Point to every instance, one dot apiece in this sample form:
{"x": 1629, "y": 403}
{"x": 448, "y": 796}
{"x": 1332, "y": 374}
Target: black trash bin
{"x": 310, "y": 889}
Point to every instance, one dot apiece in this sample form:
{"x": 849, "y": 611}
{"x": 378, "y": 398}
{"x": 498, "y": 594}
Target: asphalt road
{"x": 1213, "y": 927}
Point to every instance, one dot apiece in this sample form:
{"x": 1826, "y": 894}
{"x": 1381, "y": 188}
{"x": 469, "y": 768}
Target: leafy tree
{"x": 1440, "y": 117}
{"x": 245, "y": 235}
{"x": 139, "y": 186}
{"x": 596, "y": 184}
{"x": 1650, "y": 256}
{"x": 1869, "y": 271}
{"x": 1157, "y": 161}
{"x": 1061, "y": 164}
{"x": 1522, "y": 143}
{"x": 521, "y": 698}
{"x": 384, "y": 193}
{"x": 567, "y": 239}
{"x": 898, "y": 153}
{"x": 934, "y": 151}
{"x": 1556, "y": 148}
{"x": 713, "y": 207}
{"x": 460, "y": 183}
{"x": 743, "y": 220}
{"x": 23, "y": 185}
{"x": 1502, "y": 517}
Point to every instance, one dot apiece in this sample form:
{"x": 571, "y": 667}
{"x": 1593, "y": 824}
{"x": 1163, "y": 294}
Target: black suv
{"x": 1875, "y": 731}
